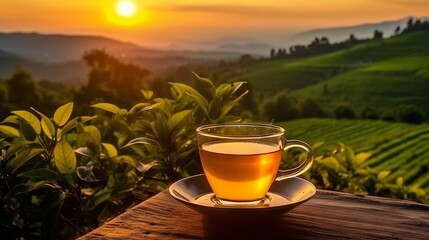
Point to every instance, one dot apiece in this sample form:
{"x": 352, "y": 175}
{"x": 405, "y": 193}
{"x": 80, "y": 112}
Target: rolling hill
{"x": 378, "y": 74}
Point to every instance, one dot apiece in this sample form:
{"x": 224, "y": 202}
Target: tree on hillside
{"x": 310, "y": 108}
{"x": 111, "y": 80}
{"x": 378, "y": 35}
{"x": 281, "y": 107}
{"x": 22, "y": 89}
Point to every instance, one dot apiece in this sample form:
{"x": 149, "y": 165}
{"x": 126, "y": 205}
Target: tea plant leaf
{"x": 85, "y": 173}
{"x": 73, "y": 123}
{"x": 107, "y": 107}
{"x": 92, "y": 138}
{"x": 23, "y": 157}
{"x": 194, "y": 94}
{"x": 140, "y": 107}
{"x": 20, "y": 144}
{"x": 142, "y": 168}
{"x": 361, "y": 157}
{"x": 207, "y": 84}
{"x": 147, "y": 94}
{"x": 382, "y": 175}
{"x": 331, "y": 163}
{"x": 32, "y": 120}
{"x": 63, "y": 113}
{"x": 142, "y": 140}
{"x": 47, "y": 125}
{"x": 41, "y": 173}
{"x": 125, "y": 159}
{"x": 98, "y": 198}
{"x": 64, "y": 156}
{"x": 228, "y": 106}
{"x": 177, "y": 118}
{"x": 110, "y": 149}
{"x": 14, "y": 119}
{"x": 9, "y": 131}
{"x": 400, "y": 181}
{"x": 84, "y": 151}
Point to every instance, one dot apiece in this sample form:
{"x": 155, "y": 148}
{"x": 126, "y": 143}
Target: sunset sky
{"x": 163, "y": 23}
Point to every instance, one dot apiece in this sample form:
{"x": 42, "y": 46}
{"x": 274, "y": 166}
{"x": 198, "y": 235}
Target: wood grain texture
{"x": 328, "y": 215}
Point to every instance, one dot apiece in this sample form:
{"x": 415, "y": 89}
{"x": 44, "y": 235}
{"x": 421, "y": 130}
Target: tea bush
{"x": 61, "y": 176}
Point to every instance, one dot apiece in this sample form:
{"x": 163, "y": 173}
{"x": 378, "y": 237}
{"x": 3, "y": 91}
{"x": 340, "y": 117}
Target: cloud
{"x": 224, "y": 9}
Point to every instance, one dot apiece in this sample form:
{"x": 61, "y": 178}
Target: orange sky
{"x": 165, "y": 22}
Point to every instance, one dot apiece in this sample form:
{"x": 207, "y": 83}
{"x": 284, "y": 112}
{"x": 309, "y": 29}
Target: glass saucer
{"x": 282, "y": 197}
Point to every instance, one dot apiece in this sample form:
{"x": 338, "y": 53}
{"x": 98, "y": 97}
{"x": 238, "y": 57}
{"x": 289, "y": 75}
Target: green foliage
{"x": 343, "y": 170}
{"x": 61, "y": 176}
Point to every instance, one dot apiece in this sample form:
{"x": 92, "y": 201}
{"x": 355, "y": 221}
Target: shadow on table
{"x": 252, "y": 228}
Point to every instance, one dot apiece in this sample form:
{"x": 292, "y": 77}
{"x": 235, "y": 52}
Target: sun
{"x": 125, "y": 13}
{"x": 126, "y": 8}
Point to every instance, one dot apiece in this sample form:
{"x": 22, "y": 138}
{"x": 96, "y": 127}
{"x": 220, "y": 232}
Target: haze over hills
{"x": 58, "y": 57}
{"x": 339, "y": 34}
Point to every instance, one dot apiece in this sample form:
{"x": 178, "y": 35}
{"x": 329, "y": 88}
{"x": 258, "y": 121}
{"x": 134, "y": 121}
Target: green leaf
{"x": 9, "y": 131}
{"x": 400, "y": 181}
{"x": 47, "y": 125}
{"x": 107, "y": 107}
{"x": 349, "y": 154}
{"x": 32, "y": 120}
{"x": 85, "y": 152}
{"x": 140, "y": 107}
{"x": 142, "y": 140}
{"x": 98, "y": 198}
{"x": 11, "y": 119}
{"x": 63, "y": 113}
{"x": 143, "y": 168}
{"x": 125, "y": 159}
{"x": 194, "y": 94}
{"x": 208, "y": 85}
{"x": 64, "y": 156}
{"x": 147, "y": 94}
{"x": 73, "y": 123}
{"x": 41, "y": 173}
{"x": 110, "y": 149}
{"x": 68, "y": 178}
{"x": 331, "y": 163}
{"x": 23, "y": 157}
{"x": 92, "y": 138}
{"x": 16, "y": 146}
{"x": 382, "y": 175}
{"x": 85, "y": 173}
{"x": 361, "y": 157}
{"x": 177, "y": 118}
{"x": 228, "y": 106}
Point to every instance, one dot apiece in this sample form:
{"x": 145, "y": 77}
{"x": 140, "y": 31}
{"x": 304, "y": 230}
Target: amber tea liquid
{"x": 240, "y": 171}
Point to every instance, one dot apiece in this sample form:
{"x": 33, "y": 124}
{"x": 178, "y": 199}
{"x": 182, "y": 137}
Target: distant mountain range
{"x": 339, "y": 34}
{"x": 58, "y": 57}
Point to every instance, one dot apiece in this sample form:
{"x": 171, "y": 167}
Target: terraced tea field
{"x": 399, "y": 147}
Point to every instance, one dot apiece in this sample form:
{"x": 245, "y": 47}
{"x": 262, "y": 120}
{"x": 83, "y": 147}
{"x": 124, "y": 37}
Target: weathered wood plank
{"x": 328, "y": 215}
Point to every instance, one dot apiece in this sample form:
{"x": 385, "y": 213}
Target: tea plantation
{"x": 400, "y": 148}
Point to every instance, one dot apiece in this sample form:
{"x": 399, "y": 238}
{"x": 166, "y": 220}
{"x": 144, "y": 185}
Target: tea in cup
{"x": 241, "y": 161}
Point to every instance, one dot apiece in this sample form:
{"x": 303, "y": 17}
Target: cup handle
{"x": 304, "y": 166}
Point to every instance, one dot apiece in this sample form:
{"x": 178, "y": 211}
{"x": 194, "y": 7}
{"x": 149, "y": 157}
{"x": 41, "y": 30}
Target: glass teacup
{"x": 241, "y": 161}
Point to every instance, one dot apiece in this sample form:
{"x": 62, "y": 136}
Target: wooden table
{"x": 328, "y": 215}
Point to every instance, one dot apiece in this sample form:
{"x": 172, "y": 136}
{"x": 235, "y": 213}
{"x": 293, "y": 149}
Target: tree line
{"x": 323, "y": 45}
